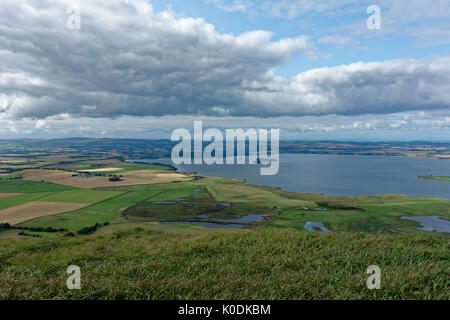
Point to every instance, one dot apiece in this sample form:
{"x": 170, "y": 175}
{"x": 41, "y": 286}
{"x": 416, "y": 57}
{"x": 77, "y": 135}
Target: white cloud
{"x": 359, "y": 88}
{"x": 12, "y": 127}
{"x": 425, "y": 20}
{"x": 40, "y": 124}
{"x": 126, "y": 59}
{"x": 129, "y": 60}
{"x": 366, "y": 127}
{"x": 445, "y": 122}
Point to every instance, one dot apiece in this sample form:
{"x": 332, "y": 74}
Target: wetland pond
{"x": 233, "y": 223}
{"x": 431, "y": 223}
{"x": 312, "y": 226}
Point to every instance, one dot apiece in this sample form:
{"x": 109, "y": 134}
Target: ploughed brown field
{"x": 7, "y": 195}
{"x": 35, "y": 209}
{"x": 128, "y": 178}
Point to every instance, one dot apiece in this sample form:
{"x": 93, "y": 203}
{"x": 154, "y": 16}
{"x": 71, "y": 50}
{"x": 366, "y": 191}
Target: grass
{"x": 148, "y": 263}
{"x": 234, "y": 191}
{"x": 185, "y": 201}
{"x": 437, "y": 178}
{"x": 100, "y": 212}
{"x": 20, "y": 199}
{"x": 376, "y": 216}
{"x": 81, "y": 196}
{"x": 10, "y": 176}
{"x": 184, "y": 211}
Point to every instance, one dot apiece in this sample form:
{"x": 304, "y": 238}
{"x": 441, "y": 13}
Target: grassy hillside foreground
{"x": 181, "y": 262}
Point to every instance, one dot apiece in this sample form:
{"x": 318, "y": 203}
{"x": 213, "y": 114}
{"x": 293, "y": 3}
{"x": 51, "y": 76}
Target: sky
{"x": 316, "y": 69}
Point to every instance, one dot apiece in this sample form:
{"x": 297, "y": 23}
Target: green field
{"x": 21, "y": 199}
{"x": 10, "y": 176}
{"x": 437, "y": 178}
{"x": 97, "y": 213}
{"x": 26, "y": 186}
{"x": 81, "y": 196}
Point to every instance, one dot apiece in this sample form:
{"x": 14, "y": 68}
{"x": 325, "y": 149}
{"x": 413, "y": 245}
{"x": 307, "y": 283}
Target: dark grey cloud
{"x": 128, "y": 60}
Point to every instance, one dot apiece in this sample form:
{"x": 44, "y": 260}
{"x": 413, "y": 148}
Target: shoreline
{"x": 245, "y": 180}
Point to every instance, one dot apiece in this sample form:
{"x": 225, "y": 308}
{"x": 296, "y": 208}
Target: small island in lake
{"x": 438, "y": 178}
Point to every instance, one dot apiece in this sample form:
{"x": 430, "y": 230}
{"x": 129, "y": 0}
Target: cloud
{"x": 12, "y": 127}
{"x": 445, "y": 122}
{"x": 359, "y": 88}
{"x": 424, "y": 20}
{"x": 398, "y": 126}
{"x": 125, "y": 59}
{"x": 129, "y": 60}
{"x": 40, "y": 124}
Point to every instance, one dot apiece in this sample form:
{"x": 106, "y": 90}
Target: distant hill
{"x": 153, "y": 149}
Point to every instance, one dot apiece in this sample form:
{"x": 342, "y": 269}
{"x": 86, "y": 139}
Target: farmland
{"x": 27, "y": 186}
{"x": 86, "y": 181}
{"x": 35, "y": 209}
{"x": 271, "y": 258}
{"x": 185, "y": 201}
{"x": 7, "y": 195}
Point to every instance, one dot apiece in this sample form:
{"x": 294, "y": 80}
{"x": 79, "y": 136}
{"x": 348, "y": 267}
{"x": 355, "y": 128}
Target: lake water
{"x": 344, "y": 175}
{"x": 311, "y": 226}
{"x": 431, "y": 223}
{"x": 250, "y": 218}
{"x": 208, "y": 224}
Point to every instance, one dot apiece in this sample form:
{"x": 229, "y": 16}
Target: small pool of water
{"x": 250, "y": 218}
{"x": 224, "y": 204}
{"x": 208, "y": 224}
{"x": 431, "y": 223}
{"x": 310, "y": 226}
{"x": 177, "y": 201}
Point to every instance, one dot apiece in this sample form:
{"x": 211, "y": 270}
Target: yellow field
{"x": 100, "y": 170}
{"x": 31, "y": 210}
{"x": 241, "y": 192}
{"x": 7, "y": 195}
{"x": 128, "y": 178}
